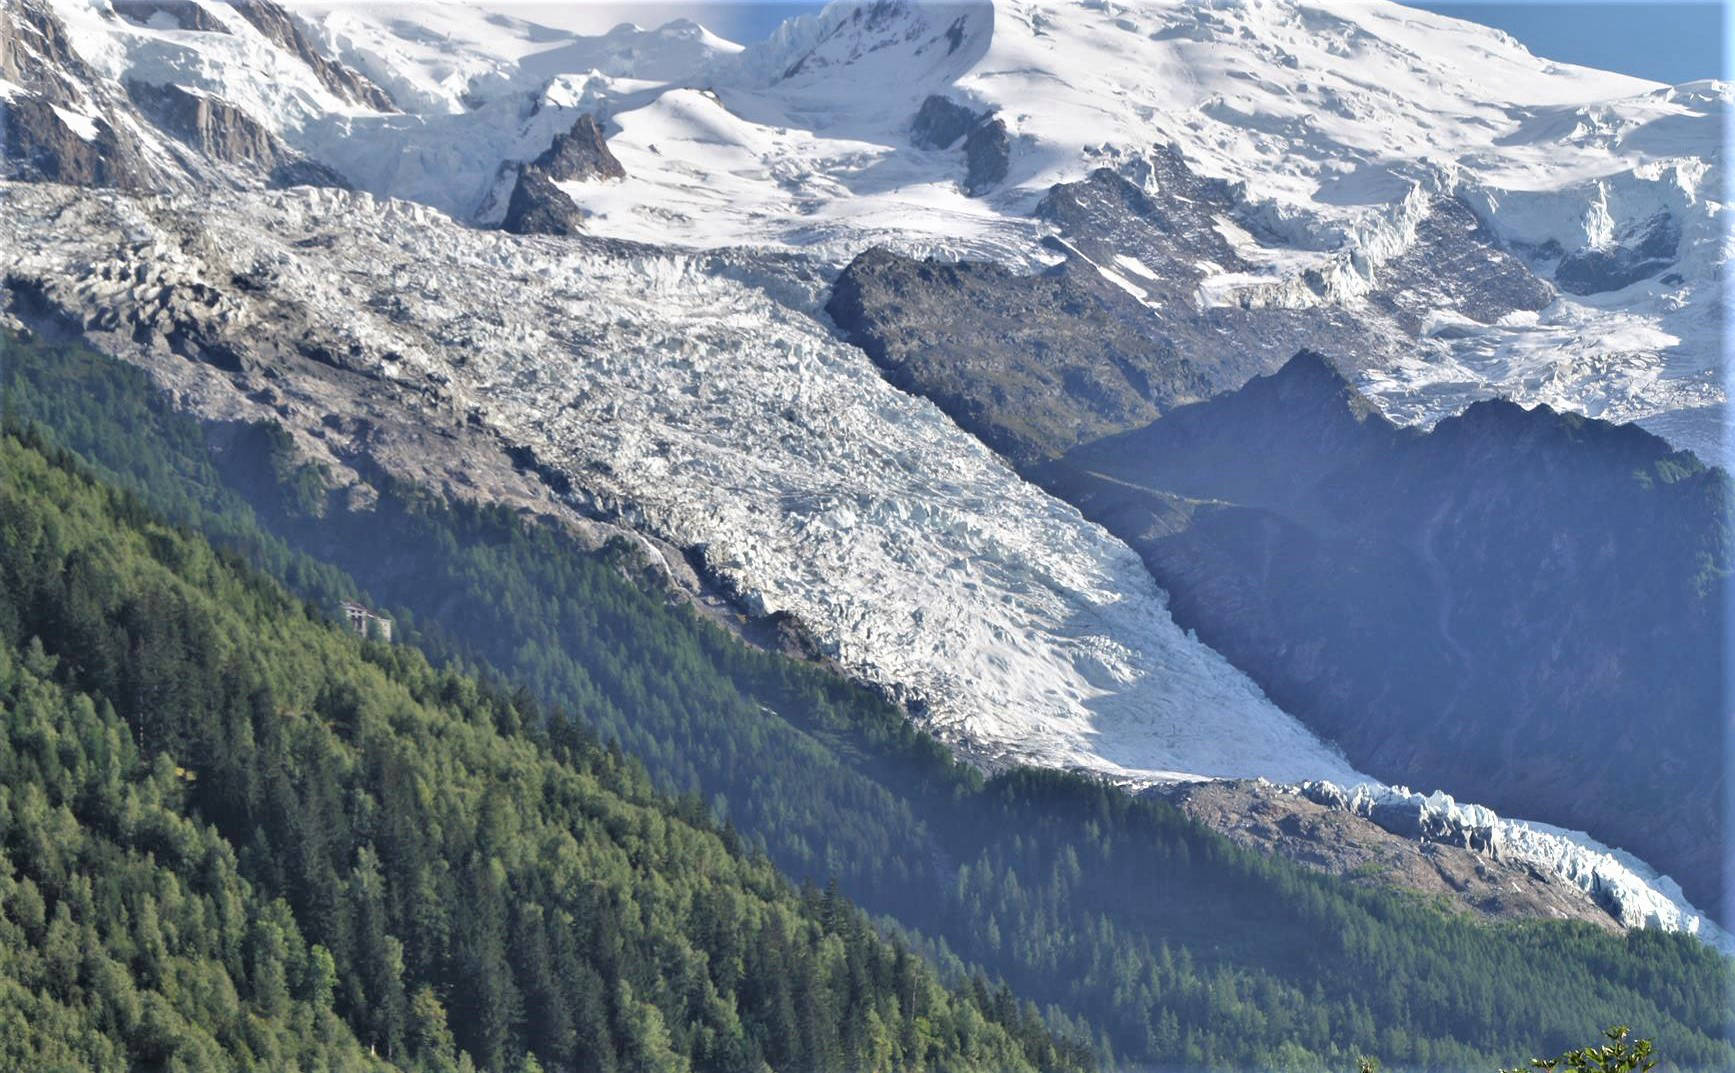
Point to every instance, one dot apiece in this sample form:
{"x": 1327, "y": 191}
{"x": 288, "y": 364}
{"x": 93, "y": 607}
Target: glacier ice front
{"x": 1630, "y": 890}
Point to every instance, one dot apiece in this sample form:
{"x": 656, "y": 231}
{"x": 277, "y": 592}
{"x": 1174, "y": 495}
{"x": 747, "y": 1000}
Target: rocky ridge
{"x": 1437, "y": 603}
{"x": 1317, "y": 825}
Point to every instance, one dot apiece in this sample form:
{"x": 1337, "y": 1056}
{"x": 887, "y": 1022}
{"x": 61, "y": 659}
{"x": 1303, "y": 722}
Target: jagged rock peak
{"x": 940, "y": 122}
{"x": 1312, "y": 377}
{"x": 580, "y": 153}
{"x": 538, "y": 207}
{"x": 270, "y": 19}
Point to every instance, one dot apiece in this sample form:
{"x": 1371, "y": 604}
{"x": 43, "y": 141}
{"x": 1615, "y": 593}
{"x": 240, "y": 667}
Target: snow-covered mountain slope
{"x": 1338, "y": 124}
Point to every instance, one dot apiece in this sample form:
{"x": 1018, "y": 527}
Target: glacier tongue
{"x": 688, "y": 400}
{"x": 1632, "y": 891}
{"x": 684, "y": 399}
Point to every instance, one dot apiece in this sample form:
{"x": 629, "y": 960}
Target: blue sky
{"x": 1670, "y": 41}
{"x": 1666, "y": 41}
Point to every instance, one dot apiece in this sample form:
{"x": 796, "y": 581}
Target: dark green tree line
{"x": 235, "y": 836}
{"x": 1177, "y": 949}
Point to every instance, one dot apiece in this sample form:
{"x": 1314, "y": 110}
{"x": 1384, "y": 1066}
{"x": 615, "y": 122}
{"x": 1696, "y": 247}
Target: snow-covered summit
{"x": 1336, "y": 124}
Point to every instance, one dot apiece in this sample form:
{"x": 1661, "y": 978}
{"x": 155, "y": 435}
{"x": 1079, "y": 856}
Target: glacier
{"x": 1332, "y": 121}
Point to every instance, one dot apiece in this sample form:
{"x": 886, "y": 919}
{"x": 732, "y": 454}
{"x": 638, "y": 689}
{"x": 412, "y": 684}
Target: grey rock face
{"x": 209, "y": 124}
{"x": 37, "y": 143}
{"x": 1038, "y": 364}
{"x": 34, "y": 51}
{"x": 47, "y": 149}
{"x": 225, "y": 132}
{"x": 538, "y": 207}
{"x": 1106, "y": 214}
{"x": 987, "y": 156}
{"x": 580, "y": 153}
{"x": 1648, "y": 249}
{"x": 1457, "y": 264}
{"x": 940, "y": 122}
{"x": 1443, "y": 604}
{"x": 1031, "y": 364}
{"x": 183, "y": 14}
{"x": 270, "y": 19}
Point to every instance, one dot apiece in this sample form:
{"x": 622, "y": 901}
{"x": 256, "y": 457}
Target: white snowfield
{"x": 691, "y": 388}
{"x": 1331, "y": 116}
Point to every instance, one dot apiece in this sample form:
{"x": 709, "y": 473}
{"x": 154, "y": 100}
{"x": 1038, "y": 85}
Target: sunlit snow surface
{"x": 1328, "y": 114}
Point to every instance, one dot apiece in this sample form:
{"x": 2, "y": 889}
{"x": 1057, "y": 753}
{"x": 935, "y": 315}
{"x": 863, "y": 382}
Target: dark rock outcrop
{"x": 1331, "y": 837}
{"x": 1522, "y": 605}
{"x": 1646, "y": 249}
{"x": 225, "y": 132}
{"x": 1456, "y": 263}
{"x": 183, "y": 14}
{"x": 209, "y": 124}
{"x": 940, "y": 122}
{"x": 270, "y": 19}
{"x": 53, "y": 131}
{"x": 1037, "y": 364}
{"x": 538, "y": 207}
{"x": 580, "y": 153}
{"x": 48, "y": 149}
{"x": 1031, "y": 364}
{"x": 987, "y": 156}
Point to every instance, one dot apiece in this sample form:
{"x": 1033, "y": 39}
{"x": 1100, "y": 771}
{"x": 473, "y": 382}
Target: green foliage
{"x": 1619, "y": 1055}
{"x": 232, "y": 835}
{"x": 1134, "y": 928}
